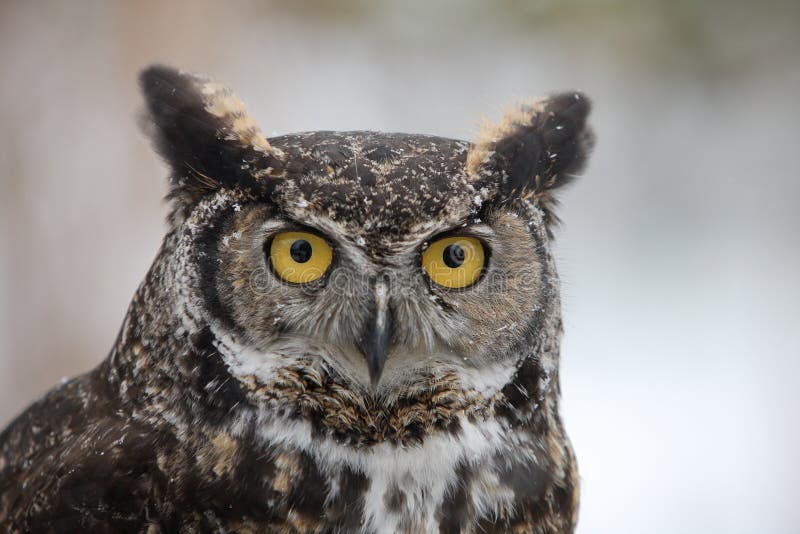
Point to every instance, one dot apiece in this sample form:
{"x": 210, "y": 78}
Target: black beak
{"x": 377, "y": 333}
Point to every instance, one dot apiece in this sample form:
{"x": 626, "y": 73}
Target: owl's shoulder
{"x": 46, "y": 424}
{"x": 71, "y": 462}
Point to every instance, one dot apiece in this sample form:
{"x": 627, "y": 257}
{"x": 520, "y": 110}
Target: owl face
{"x": 387, "y": 261}
{"x": 432, "y": 284}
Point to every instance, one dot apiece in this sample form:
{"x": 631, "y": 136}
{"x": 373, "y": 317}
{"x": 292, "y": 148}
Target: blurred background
{"x": 680, "y": 252}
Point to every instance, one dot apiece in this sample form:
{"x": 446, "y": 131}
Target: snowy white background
{"x": 680, "y": 252}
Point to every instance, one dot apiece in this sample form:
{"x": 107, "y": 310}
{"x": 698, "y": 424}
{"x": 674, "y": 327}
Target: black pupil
{"x": 453, "y": 256}
{"x": 301, "y": 251}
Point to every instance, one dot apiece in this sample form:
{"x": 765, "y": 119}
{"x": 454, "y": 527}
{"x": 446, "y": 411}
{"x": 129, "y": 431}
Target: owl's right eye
{"x": 299, "y": 257}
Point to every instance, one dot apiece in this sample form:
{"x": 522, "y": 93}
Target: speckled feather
{"x": 230, "y": 403}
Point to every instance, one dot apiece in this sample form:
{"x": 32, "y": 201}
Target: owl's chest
{"x": 387, "y": 487}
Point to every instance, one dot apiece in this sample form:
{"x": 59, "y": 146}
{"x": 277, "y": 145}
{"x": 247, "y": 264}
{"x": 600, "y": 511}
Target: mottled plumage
{"x": 233, "y": 401}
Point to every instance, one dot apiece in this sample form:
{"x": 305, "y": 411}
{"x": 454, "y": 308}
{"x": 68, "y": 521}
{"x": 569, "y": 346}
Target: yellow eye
{"x": 454, "y": 262}
{"x": 299, "y": 257}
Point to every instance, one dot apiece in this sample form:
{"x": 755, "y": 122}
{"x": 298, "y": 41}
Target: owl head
{"x": 376, "y": 264}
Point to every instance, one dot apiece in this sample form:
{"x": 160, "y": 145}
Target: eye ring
{"x": 299, "y": 257}
{"x": 455, "y": 261}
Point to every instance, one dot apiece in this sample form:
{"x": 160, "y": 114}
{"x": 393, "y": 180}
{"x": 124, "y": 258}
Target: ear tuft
{"x": 203, "y": 132}
{"x": 536, "y": 148}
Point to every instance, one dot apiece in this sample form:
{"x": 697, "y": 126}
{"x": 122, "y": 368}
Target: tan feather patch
{"x": 489, "y": 133}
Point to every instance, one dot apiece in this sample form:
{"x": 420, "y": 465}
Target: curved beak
{"x": 377, "y": 333}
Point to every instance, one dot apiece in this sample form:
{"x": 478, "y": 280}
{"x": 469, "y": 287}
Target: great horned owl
{"x": 342, "y": 332}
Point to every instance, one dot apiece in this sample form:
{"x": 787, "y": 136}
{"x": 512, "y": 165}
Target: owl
{"x": 342, "y": 332}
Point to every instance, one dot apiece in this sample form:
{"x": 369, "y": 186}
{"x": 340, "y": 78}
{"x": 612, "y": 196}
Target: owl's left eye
{"x": 454, "y": 262}
{"x": 299, "y": 257}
